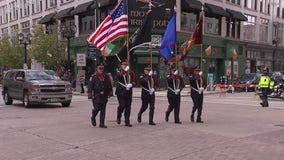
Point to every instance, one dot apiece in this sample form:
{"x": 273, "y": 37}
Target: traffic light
{"x": 172, "y": 52}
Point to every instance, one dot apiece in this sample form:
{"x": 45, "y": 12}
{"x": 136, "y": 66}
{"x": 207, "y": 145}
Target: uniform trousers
{"x": 148, "y": 100}
{"x": 174, "y": 104}
{"x": 197, "y": 104}
{"x": 99, "y": 107}
{"x": 124, "y": 105}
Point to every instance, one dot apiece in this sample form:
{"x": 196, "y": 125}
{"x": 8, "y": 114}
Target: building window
{"x": 280, "y": 33}
{"x": 36, "y": 6}
{"x": 264, "y": 6}
{"x": 25, "y": 26}
{"x": 233, "y": 28}
{"x": 238, "y": 2}
{"x": 5, "y": 32}
{"x": 65, "y": 1}
{"x": 251, "y": 4}
{"x": 212, "y": 26}
{"x": 188, "y": 21}
{"x": 249, "y": 28}
{"x": 263, "y": 30}
{"x": 4, "y": 14}
{"x": 51, "y": 3}
{"x": 13, "y": 11}
{"x": 86, "y": 24}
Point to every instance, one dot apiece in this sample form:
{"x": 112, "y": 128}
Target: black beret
{"x": 147, "y": 67}
{"x": 99, "y": 64}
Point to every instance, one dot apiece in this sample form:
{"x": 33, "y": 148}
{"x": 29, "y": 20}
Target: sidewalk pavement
{"x": 159, "y": 93}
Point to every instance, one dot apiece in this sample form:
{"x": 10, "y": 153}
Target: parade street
{"x": 235, "y": 127}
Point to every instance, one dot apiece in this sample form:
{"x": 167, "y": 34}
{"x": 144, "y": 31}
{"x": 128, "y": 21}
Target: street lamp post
{"x": 68, "y": 32}
{"x": 25, "y": 39}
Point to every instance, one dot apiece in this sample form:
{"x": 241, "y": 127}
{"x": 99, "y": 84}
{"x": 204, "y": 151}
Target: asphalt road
{"x": 235, "y": 128}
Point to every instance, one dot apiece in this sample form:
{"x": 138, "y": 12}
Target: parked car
{"x": 247, "y": 82}
{"x": 35, "y": 86}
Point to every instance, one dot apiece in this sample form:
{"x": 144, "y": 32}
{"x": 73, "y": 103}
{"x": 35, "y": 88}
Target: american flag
{"x": 113, "y": 27}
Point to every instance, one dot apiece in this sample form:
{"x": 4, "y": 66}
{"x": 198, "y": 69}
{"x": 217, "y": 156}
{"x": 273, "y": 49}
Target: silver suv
{"x": 35, "y": 86}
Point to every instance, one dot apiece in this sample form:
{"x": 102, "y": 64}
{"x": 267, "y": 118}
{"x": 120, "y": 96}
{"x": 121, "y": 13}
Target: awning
{"x": 47, "y": 18}
{"x": 191, "y": 6}
{"x": 236, "y": 14}
{"x": 104, "y": 3}
{"x": 215, "y": 11}
{"x": 64, "y": 13}
{"x": 82, "y": 8}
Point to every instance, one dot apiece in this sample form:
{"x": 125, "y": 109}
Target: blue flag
{"x": 169, "y": 39}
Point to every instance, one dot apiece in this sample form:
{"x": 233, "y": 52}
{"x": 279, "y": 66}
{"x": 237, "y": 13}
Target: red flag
{"x": 195, "y": 38}
{"x": 113, "y": 27}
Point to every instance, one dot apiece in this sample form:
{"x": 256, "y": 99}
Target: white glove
{"x": 176, "y": 72}
{"x": 177, "y": 91}
{"x": 152, "y": 90}
{"x": 200, "y": 73}
{"x": 129, "y": 85}
{"x": 150, "y": 73}
{"x": 201, "y": 89}
{"x": 126, "y": 68}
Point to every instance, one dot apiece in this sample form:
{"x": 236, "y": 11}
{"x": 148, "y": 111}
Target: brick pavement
{"x": 233, "y": 132}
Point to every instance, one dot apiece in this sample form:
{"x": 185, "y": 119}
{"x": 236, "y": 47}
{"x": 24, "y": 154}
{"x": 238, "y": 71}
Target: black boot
{"x": 93, "y": 120}
{"x": 199, "y": 120}
{"x": 192, "y": 118}
{"x": 167, "y": 117}
{"x": 139, "y": 118}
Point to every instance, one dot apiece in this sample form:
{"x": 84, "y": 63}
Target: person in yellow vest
{"x": 264, "y": 86}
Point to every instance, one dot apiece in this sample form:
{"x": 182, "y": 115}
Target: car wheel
{"x": 66, "y": 103}
{"x": 7, "y": 99}
{"x": 26, "y": 100}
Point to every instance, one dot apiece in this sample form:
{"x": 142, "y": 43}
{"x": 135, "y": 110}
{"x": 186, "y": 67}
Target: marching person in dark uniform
{"x": 175, "y": 86}
{"x": 148, "y": 83}
{"x": 101, "y": 89}
{"x": 197, "y": 84}
{"x": 126, "y": 81}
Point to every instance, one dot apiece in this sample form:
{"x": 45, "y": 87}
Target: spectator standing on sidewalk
{"x": 149, "y": 84}
{"x": 197, "y": 84}
{"x": 126, "y": 80}
{"x": 175, "y": 86}
{"x": 82, "y": 82}
{"x": 101, "y": 89}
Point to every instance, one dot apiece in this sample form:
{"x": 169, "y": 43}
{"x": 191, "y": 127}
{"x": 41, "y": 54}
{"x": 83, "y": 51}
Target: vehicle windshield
{"x": 247, "y": 76}
{"x": 41, "y": 75}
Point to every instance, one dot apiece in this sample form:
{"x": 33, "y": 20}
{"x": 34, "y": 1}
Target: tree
{"x": 47, "y": 48}
{"x": 11, "y": 55}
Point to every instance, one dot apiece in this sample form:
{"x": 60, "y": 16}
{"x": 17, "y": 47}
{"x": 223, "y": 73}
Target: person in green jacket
{"x": 264, "y": 86}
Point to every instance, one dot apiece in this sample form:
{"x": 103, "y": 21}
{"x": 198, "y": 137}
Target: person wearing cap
{"x": 197, "y": 85}
{"x": 101, "y": 89}
{"x": 264, "y": 85}
{"x": 126, "y": 80}
{"x": 149, "y": 84}
{"x": 175, "y": 86}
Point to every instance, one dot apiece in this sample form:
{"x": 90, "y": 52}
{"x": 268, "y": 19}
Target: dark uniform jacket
{"x": 123, "y": 78}
{"x": 100, "y": 86}
{"x": 147, "y": 82}
{"x": 174, "y": 82}
{"x": 193, "y": 80}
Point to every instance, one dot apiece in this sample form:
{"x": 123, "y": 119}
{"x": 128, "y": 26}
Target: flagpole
{"x": 151, "y": 50}
{"x": 201, "y": 46}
